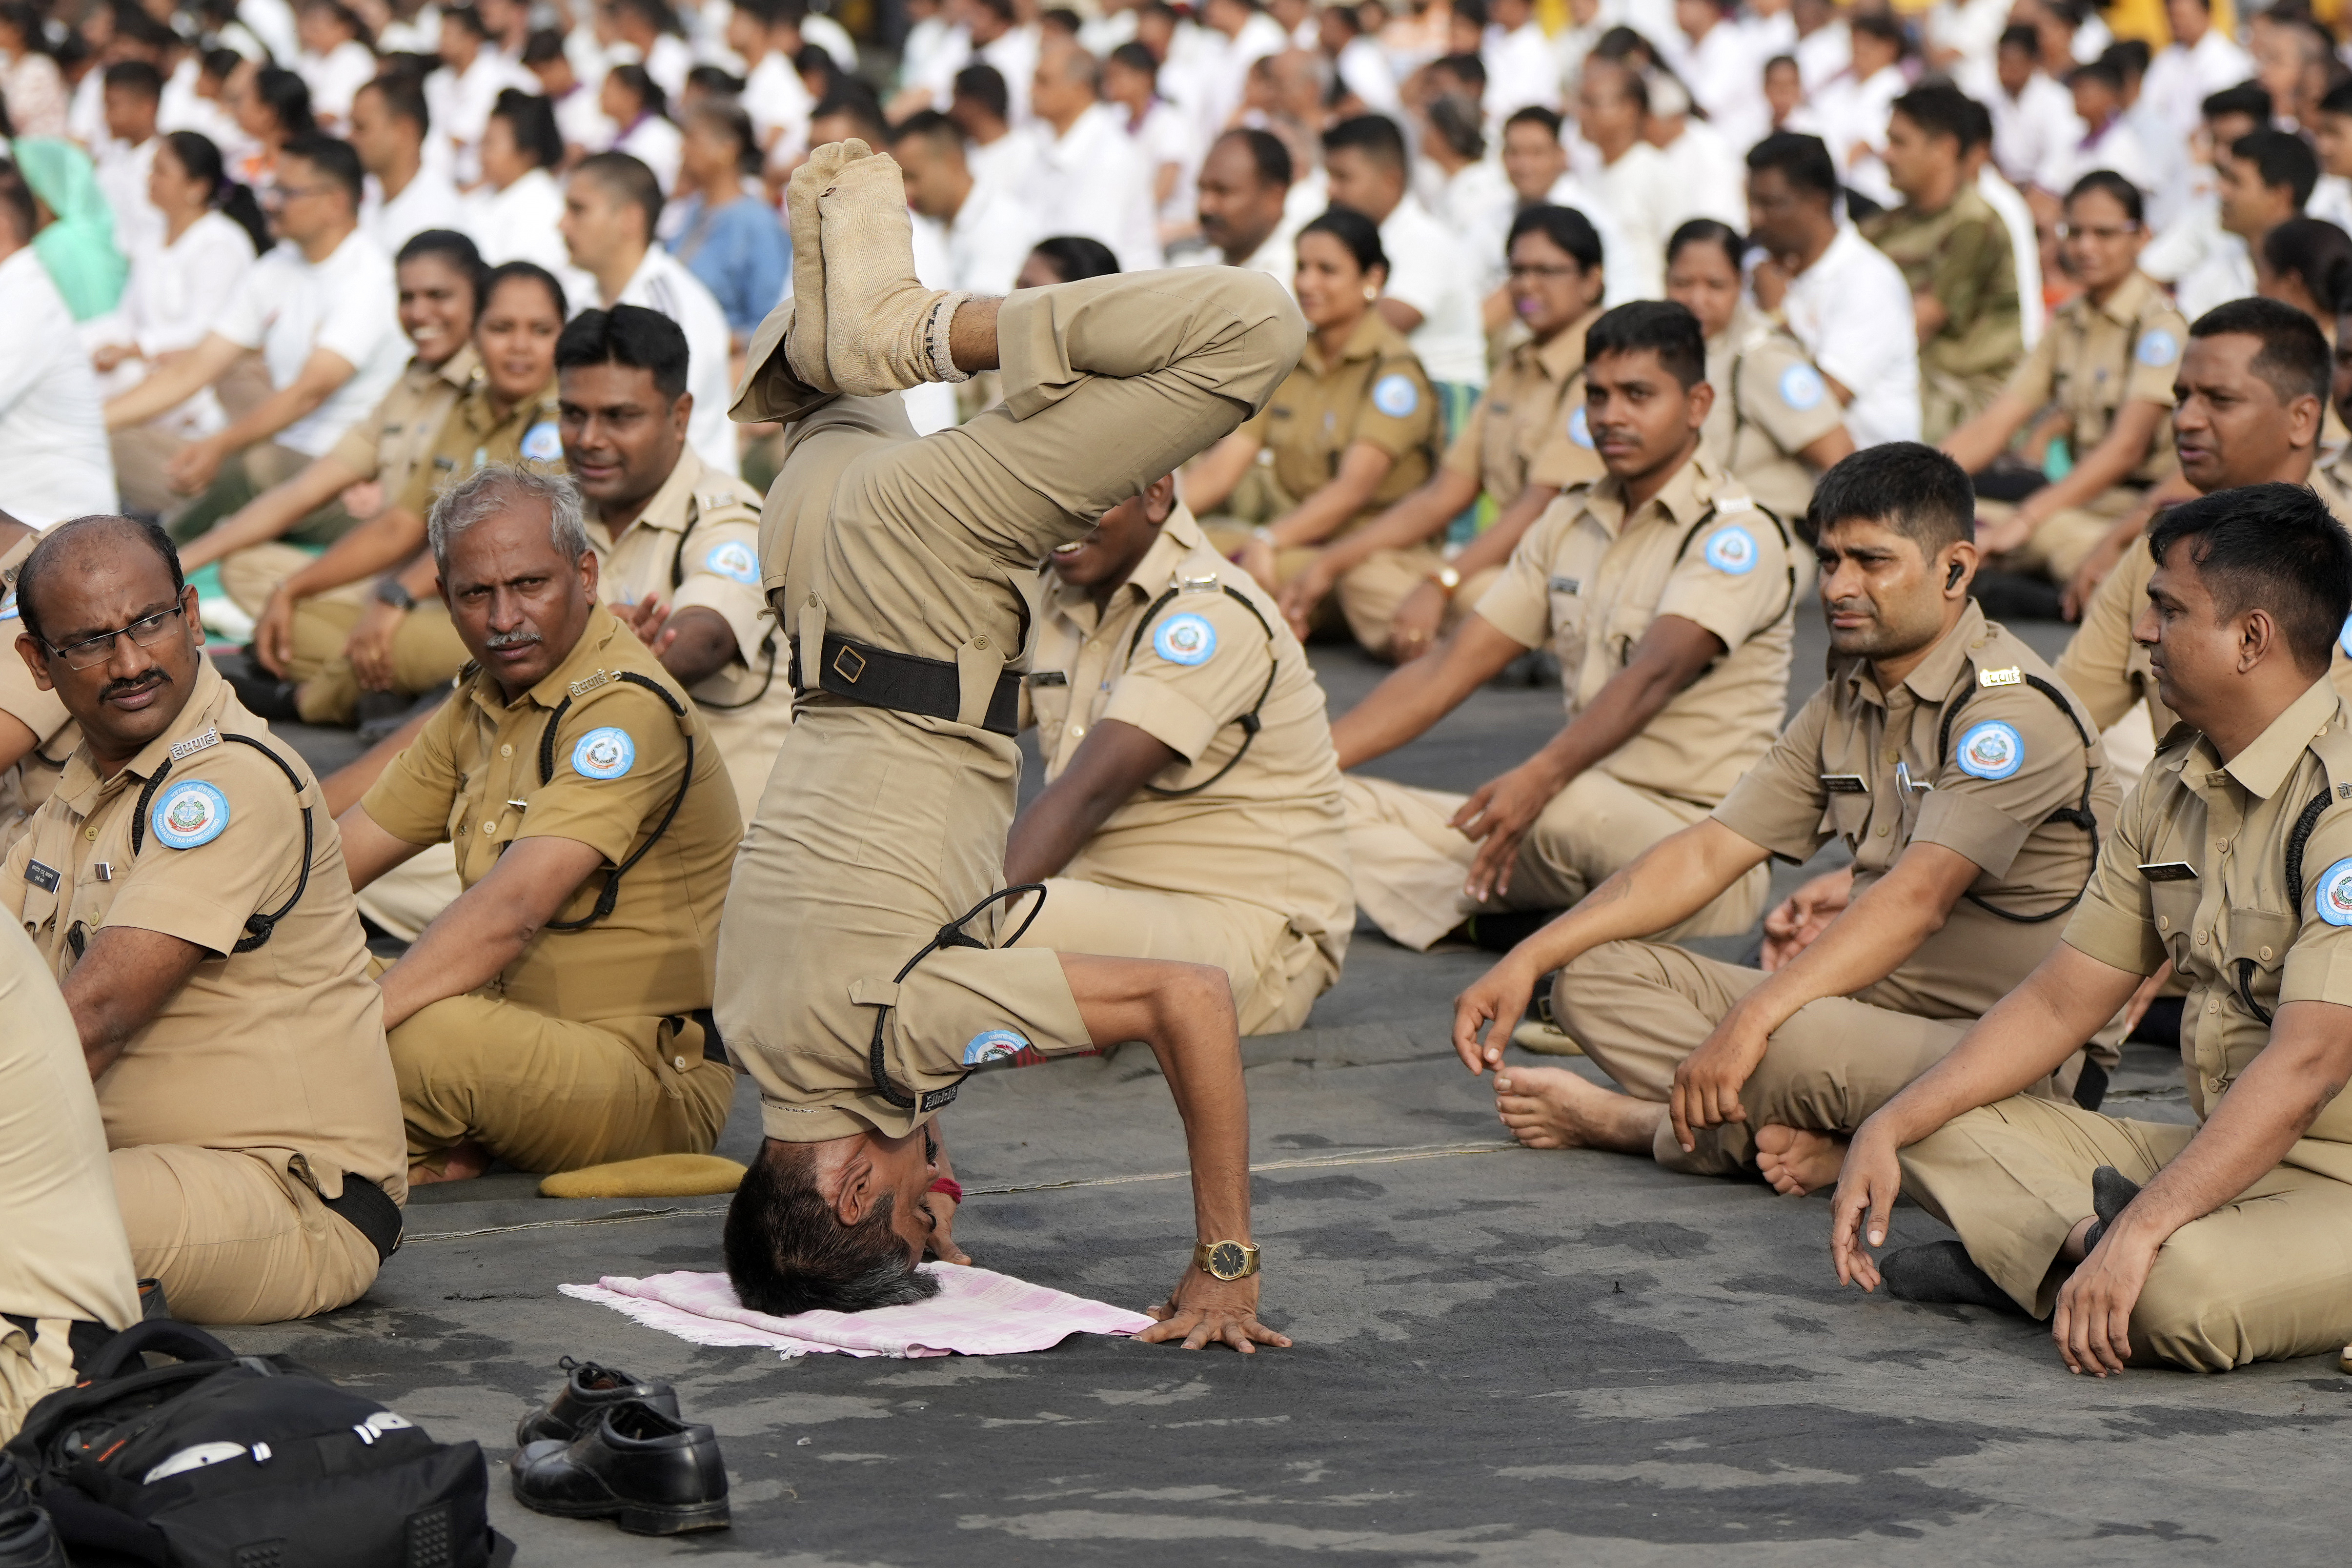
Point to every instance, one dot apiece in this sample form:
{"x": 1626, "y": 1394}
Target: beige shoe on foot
{"x": 1543, "y": 1035}
{"x": 804, "y": 340}
{"x": 884, "y": 331}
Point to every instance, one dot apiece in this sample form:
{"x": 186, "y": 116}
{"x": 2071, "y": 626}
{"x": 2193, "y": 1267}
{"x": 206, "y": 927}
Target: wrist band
{"x": 949, "y": 1185}
{"x": 935, "y": 338}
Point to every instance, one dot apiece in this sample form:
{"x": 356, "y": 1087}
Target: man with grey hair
{"x": 1089, "y": 177}
{"x": 556, "y": 1015}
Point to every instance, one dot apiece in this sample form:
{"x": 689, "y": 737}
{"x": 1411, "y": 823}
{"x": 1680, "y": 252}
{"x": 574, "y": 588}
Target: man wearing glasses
{"x": 321, "y": 309}
{"x": 185, "y": 884}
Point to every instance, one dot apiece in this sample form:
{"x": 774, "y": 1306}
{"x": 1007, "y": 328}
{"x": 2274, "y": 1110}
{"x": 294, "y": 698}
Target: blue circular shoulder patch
{"x": 542, "y": 444}
{"x": 734, "y": 559}
{"x": 997, "y": 1046}
{"x": 1396, "y": 395}
{"x": 1185, "y": 639}
{"x": 2343, "y": 638}
{"x": 2157, "y": 349}
{"x": 1731, "y": 549}
{"x": 9, "y": 606}
{"x": 190, "y": 813}
{"x": 1991, "y": 751}
{"x": 1577, "y": 431}
{"x": 605, "y": 753}
{"x": 1801, "y": 387}
{"x": 2331, "y": 896}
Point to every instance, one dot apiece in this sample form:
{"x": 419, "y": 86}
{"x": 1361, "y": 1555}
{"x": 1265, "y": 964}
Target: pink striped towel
{"x": 976, "y": 1312}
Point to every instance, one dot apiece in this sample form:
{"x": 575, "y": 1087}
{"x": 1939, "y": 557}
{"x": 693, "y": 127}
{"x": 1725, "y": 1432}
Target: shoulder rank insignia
{"x": 589, "y": 683}
{"x": 183, "y": 750}
{"x": 1204, "y": 583}
{"x": 2012, "y": 676}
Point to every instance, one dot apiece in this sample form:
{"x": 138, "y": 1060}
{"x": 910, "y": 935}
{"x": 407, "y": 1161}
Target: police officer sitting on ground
{"x": 860, "y": 975}
{"x": 37, "y": 733}
{"x": 1971, "y": 791}
{"x": 2205, "y": 1247}
{"x": 186, "y": 885}
{"x": 546, "y": 1017}
{"x": 1192, "y": 805}
{"x": 1668, "y": 595}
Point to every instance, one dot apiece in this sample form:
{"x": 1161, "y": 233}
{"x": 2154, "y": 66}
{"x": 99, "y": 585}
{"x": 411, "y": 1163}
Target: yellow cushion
{"x": 654, "y": 1177}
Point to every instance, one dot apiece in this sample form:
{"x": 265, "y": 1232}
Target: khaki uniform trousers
{"x": 2267, "y": 1277}
{"x": 426, "y": 652}
{"x": 1639, "y": 1008}
{"x": 234, "y": 1239}
{"x": 1276, "y": 974}
{"x": 547, "y": 1094}
{"x": 2066, "y": 538}
{"x": 32, "y": 1366}
{"x": 1410, "y": 863}
{"x": 409, "y": 897}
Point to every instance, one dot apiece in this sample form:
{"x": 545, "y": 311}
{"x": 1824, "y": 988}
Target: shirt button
{"x": 2266, "y": 954}
{"x": 506, "y": 751}
{"x": 1894, "y": 756}
{"x": 2212, "y": 1006}
{"x": 2164, "y": 923}
{"x": 90, "y": 833}
{"x": 1078, "y": 731}
{"x": 488, "y": 828}
{"x": 2201, "y": 936}
{"x": 679, "y": 1062}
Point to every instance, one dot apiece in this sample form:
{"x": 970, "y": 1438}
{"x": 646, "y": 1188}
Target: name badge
{"x": 2169, "y": 871}
{"x": 42, "y": 876}
{"x": 1047, "y": 677}
{"x": 1566, "y": 585}
{"x": 1845, "y": 784}
{"x": 183, "y": 750}
{"x": 2012, "y": 676}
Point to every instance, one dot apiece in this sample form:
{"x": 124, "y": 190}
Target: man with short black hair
{"x": 1970, "y": 839}
{"x": 987, "y": 230}
{"x": 2266, "y": 177}
{"x": 612, "y": 206}
{"x": 1243, "y": 190}
{"x": 1667, "y": 596}
{"x": 2204, "y": 1246}
{"x": 405, "y": 198}
{"x": 998, "y": 150}
{"x": 132, "y": 95}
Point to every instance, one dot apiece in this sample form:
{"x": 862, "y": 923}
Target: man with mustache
{"x": 548, "y": 1015}
{"x": 186, "y": 887}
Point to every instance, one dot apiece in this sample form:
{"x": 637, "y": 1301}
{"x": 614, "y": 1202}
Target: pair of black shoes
{"x": 28, "y": 1538}
{"x": 609, "y": 1447}
{"x": 1943, "y": 1274}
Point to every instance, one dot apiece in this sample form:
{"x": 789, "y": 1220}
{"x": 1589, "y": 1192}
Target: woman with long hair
{"x": 213, "y": 229}
{"x": 636, "y": 104}
{"x": 271, "y": 107}
{"x": 515, "y": 214}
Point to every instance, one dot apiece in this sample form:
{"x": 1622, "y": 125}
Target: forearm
{"x": 1982, "y": 438}
{"x": 273, "y": 413}
{"x": 1408, "y": 522}
{"x": 1665, "y": 884}
{"x": 1864, "y": 945}
{"x": 120, "y": 984}
{"x": 2101, "y": 469}
{"x": 1398, "y": 710}
{"x": 1209, "y": 479}
{"x": 167, "y": 387}
{"x": 1320, "y": 515}
{"x": 1204, "y": 1069}
{"x": 1049, "y": 835}
{"x": 468, "y": 945}
{"x": 1617, "y": 713}
{"x": 377, "y": 545}
{"x": 703, "y": 645}
{"x": 268, "y": 515}
{"x": 1494, "y": 547}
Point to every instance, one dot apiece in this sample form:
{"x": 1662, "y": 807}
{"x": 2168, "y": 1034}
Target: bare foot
{"x": 1548, "y": 1108}
{"x": 459, "y": 1162}
{"x": 1797, "y": 1163}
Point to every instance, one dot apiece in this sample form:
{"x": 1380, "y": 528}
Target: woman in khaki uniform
{"x": 1354, "y": 430}
{"x": 327, "y": 648}
{"x": 1521, "y": 446}
{"x": 1774, "y": 424}
{"x": 2105, "y": 367}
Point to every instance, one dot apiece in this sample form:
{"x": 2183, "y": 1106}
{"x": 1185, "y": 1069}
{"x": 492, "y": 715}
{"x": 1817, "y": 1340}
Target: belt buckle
{"x": 847, "y": 670}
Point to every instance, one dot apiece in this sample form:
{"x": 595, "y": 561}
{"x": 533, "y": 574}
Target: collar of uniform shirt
{"x": 1179, "y": 537}
{"x": 555, "y": 686}
{"x": 1564, "y": 355}
{"x": 1932, "y": 680}
{"x": 665, "y": 508}
{"x": 2264, "y": 765}
{"x": 1684, "y": 498}
{"x": 461, "y": 368}
{"x": 1371, "y": 334}
{"x": 2129, "y": 298}
{"x": 81, "y": 786}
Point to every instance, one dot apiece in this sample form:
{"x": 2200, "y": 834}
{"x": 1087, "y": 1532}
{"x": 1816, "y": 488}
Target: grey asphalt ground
{"x": 1503, "y": 1356}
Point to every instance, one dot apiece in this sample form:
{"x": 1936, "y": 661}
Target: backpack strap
{"x": 611, "y": 894}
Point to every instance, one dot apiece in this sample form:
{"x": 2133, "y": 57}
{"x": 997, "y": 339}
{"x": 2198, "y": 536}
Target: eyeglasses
{"x": 2103, "y": 234}
{"x": 146, "y": 631}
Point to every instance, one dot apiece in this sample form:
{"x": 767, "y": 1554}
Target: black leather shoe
{"x": 587, "y": 1392}
{"x": 654, "y": 1473}
{"x": 264, "y": 695}
{"x": 27, "y": 1540}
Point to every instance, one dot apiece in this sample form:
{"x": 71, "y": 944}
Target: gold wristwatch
{"x": 1227, "y": 1260}
{"x": 1447, "y": 578}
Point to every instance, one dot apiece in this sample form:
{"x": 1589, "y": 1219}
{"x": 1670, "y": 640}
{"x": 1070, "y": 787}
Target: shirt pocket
{"x": 2173, "y": 906}
{"x": 1567, "y": 607}
{"x": 2255, "y": 943}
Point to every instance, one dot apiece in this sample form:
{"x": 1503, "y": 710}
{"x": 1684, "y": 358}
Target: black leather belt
{"x": 907, "y": 683}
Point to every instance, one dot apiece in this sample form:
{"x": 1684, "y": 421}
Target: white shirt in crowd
{"x": 1430, "y": 270}
{"x": 460, "y": 105}
{"x": 1014, "y": 56}
{"x": 1364, "y": 70}
{"x": 2024, "y": 247}
{"x": 1222, "y": 69}
{"x": 519, "y": 223}
{"x": 582, "y": 125}
{"x": 1092, "y": 180}
{"x": 1821, "y": 56}
{"x": 427, "y": 201}
{"x": 1616, "y": 266}
{"x": 2180, "y": 79}
{"x": 2117, "y": 148}
{"x": 348, "y": 304}
{"x": 1709, "y": 176}
{"x": 55, "y": 462}
{"x": 778, "y": 104}
{"x": 2029, "y": 130}
{"x": 1476, "y": 204}
{"x": 988, "y": 241}
{"x": 1638, "y": 190}
{"x": 123, "y": 172}
{"x": 662, "y": 283}
{"x": 1004, "y": 162}
{"x": 174, "y": 295}
{"x": 335, "y": 77}
{"x": 1856, "y": 113}
{"x": 1522, "y": 70}
{"x": 1726, "y": 75}
{"x": 1166, "y": 137}
{"x": 656, "y": 144}
{"x": 1852, "y": 311}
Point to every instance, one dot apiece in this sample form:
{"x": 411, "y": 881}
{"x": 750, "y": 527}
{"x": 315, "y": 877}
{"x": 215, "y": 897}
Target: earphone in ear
{"x": 1952, "y": 578}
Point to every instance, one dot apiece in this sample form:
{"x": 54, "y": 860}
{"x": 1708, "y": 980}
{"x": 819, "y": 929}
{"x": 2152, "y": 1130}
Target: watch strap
{"x": 1203, "y": 1252}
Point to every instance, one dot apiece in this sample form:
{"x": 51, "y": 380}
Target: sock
{"x": 884, "y": 331}
{"x": 2111, "y": 1192}
{"x": 804, "y": 339}
{"x": 654, "y": 1177}
{"x": 1942, "y": 1273}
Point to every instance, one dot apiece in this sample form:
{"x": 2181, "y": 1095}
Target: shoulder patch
{"x": 1396, "y": 395}
{"x": 1731, "y": 549}
{"x": 734, "y": 559}
{"x": 541, "y": 444}
{"x": 999, "y": 1046}
{"x": 604, "y": 753}
{"x": 2331, "y": 896}
{"x": 1577, "y": 431}
{"x": 1991, "y": 751}
{"x": 1801, "y": 387}
{"x": 2012, "y": 676}
{"x": 1185, "y": 639}
{"x": 9, "y": 606}
{"x": 2343, "y": 638}
{"x": 2157, "y": 349}
{"x": 190, "y": 813}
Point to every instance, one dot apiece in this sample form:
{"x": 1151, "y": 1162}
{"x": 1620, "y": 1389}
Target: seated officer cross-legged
{"x": 546, "y": 1017}
{"x": 1667, "y": 595}
{"x": 186, "y": 886}
{"x": 1971, "y": 792}
{"x": 1192, "y": 805}
{"x": 2210, "y": 1245}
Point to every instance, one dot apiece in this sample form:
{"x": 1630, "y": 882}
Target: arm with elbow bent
{"x": 269, "y": 514}
{"x": 693, "y": 644}
{"x": 1111, "y": 764}
{"x": 489, "y": 926}
{"x": 1418, "y": 695}
{"x": 169, "y": 385}
{"x": 121, "y": 983}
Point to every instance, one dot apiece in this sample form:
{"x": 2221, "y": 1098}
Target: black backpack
{"x": 218, "y": 1461}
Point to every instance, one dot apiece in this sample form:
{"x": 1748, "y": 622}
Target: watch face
{"x": 1226, "y": 1260}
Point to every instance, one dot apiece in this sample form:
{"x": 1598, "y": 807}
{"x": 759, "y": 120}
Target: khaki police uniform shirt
{"x": 1272, "y": 832}
{"x": 1882, "y": 770}
{"x": 278, "y": 1052}
{"x": 1530, "y": 427}
{"x": 472, "y": 778}
{"x": 2197, "y": 875}
{"x": 2110, "y": 672}
{"x": 473, "y": 435}
{"x": 1588, "y": 580}
{"x": 398, "y": 435}
{"x": 1770, "y": 404}
{"x": 1375, "y": 392}
{"x": 697, "y": 543}
{"x": 1960, "y": 255}
{"x": 2094, "y": 359}
{"x": 25, "y": 784}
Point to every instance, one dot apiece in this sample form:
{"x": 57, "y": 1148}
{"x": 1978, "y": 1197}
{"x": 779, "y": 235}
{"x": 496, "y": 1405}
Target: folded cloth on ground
{"x": 976, "y": 1312}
